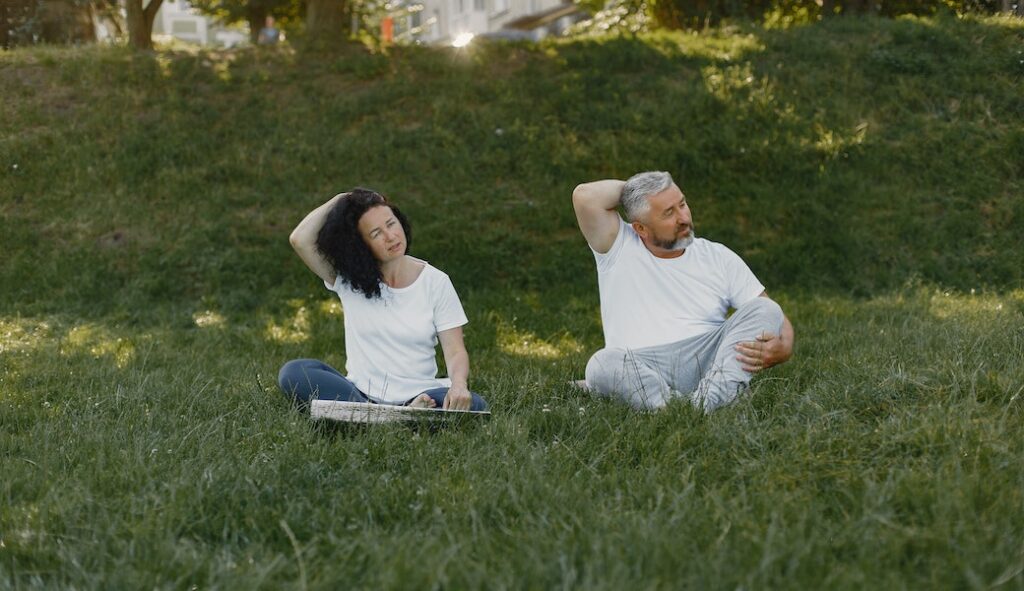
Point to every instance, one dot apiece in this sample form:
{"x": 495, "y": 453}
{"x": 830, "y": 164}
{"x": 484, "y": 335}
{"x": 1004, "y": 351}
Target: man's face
{"x": 666, "y": 228}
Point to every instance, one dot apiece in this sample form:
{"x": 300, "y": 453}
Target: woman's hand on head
{"x": 458, "y": 398}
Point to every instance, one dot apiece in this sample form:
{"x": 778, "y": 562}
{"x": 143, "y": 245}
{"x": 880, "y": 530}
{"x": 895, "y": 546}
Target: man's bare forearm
{"x": 604, "y": 194}
{"x": 787, "y": 336}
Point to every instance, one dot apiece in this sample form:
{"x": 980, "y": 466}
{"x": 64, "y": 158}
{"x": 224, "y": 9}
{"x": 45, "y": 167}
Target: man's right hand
{"x": 766, "y": 351}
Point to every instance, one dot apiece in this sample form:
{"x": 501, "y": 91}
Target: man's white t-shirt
{"x": 390, "y": 341}
{"x": 647, "y": 301}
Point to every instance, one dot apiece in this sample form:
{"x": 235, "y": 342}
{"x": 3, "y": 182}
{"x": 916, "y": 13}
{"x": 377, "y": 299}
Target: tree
{"x": 326, "y": 20}
{"x": 5, "y": 26}
{"x": 66, "y": 21}
{"x": 140, "y": 22}
{"x": 27, "y": 22}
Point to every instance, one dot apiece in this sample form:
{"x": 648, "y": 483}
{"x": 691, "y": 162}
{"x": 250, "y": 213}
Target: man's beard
{"x": 680, "y": 244}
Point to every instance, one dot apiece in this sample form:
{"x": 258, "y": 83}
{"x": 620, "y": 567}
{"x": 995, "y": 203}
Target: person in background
{"x": 269, "y": 34}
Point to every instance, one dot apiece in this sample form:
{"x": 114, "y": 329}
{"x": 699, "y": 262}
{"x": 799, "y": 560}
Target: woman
{"x": 397, "y": 308}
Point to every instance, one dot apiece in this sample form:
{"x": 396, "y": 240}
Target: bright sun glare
{"x": 462, "y": 39}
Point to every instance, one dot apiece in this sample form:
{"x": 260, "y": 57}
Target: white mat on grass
{"x": 367, "y": 412}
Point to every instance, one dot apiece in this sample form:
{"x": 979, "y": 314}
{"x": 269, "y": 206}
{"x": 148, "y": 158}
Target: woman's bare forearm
{"x": 305, "y": 233}
{"x": 303, "y": 239}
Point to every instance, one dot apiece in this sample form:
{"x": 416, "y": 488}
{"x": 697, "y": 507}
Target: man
{"x": 665, "y": 295}
{"x": 269, "y": 34}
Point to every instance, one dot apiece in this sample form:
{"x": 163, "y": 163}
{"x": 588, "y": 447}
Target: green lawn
{"x": 871, "y": 173}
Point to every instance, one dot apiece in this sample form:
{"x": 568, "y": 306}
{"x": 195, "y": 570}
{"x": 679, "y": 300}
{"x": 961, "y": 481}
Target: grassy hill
{"x": 871, "y": 173}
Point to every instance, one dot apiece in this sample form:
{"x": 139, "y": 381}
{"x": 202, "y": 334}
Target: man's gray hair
{"x": 638, "y": 188}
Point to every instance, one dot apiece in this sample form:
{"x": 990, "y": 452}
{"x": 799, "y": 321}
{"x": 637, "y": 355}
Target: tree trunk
{"x": 66, "y": 22}
{"x": 140, "y": 22}
{"x": 257, "y": 17}
{"x": 325, "y": 20}
{"x": 5, "y": 25}
{"x": 854, "y": 7}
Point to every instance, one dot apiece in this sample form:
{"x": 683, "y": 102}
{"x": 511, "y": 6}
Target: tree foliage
{"x": 28, "y": 22}
{"x": 634, "y": 15}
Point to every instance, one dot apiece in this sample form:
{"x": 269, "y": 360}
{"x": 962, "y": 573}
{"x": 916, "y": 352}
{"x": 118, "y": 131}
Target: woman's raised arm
{"x": 303, "y": 240}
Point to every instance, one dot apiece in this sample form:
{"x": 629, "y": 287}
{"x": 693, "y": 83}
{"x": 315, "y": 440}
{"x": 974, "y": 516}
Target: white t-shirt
{"x": 647, "y": 301}
{"x": 390, "y": 341}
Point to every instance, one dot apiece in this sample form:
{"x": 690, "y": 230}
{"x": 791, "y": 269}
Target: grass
{"x": 869, "y": 171}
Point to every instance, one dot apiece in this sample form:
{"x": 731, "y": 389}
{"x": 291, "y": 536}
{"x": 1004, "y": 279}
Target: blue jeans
{"x": 302, "y": 380}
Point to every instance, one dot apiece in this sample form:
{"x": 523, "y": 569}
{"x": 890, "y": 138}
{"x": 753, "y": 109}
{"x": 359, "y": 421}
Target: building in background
{"x": 176, "y": 18}
{"x": 454, "y": 21}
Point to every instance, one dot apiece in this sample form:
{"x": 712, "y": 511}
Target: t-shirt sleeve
{"x": 335, "y": 286}
{"x": 605, "y": 260}
{"x": 743, "y": 286}
{"x": 448, "y": 312}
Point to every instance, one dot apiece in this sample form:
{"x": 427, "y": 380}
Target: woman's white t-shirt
{"x": 390, "y": 341}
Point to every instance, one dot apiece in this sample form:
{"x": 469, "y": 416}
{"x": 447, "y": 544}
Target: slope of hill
{"x": 869, "y": 171}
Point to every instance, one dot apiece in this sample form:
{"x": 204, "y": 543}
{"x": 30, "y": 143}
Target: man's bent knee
{"x": 604, "y": 370}
{"x": 765, "y": 310}
{"x": 617, "y": 373}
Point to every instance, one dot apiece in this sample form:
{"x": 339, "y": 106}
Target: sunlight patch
{"x": 98, "y": 342}
{"x": 527, "y": 344}
{"x": 726, "y": 48}
{"x": 737, "y": 83}
{"x": 833, "y": 143}
{"x": 222, "y": 68}
{"x": 22, "y": 335}
{"x": 708, "y": 45}
{"x": 208, "y": 319}
{"x": 947, "y": 305}
{"x": 331, "y": 307}
{"x": 163, "y": 63}
{"x": 293, "y": 331}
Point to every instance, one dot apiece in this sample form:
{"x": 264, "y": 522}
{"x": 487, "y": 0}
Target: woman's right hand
{"x": 303, "y": 240}
{"x": 458, "y": 398}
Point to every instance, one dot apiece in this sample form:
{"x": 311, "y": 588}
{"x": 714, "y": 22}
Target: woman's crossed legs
{"x": 303, "y": 380}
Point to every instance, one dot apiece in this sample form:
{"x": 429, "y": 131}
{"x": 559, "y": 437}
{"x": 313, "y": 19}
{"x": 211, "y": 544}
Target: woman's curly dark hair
{"x": 341, "y": 244}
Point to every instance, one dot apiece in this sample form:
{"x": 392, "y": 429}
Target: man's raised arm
{"x": 596, "y": 204}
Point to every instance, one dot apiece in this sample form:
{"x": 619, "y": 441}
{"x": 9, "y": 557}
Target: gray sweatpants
{"x": 703, "y": 369}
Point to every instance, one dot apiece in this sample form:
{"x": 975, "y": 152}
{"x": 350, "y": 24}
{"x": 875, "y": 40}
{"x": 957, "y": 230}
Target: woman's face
{"x": 383, "y": 233}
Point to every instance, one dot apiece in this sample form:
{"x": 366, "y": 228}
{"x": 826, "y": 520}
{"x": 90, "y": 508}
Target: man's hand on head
{"x": 767, "y": 350}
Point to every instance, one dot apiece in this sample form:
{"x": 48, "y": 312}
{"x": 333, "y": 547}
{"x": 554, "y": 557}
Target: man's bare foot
{"x": 581, "y": 384}
{"x": 423, "y": 401}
